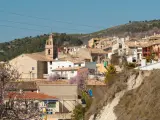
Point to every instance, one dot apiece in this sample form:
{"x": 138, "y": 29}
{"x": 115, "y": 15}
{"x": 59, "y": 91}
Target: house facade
{"x": 65, "y": 69}
{"x": 134, "y": 52}
{"x": 48, "y": 105}
{"x": 67, "y": 95}
{"x": 92, "y": 43}
{"x": 152, "y": 49}
{"x": 30, "y": 66}
{"x": 33, "y": 66}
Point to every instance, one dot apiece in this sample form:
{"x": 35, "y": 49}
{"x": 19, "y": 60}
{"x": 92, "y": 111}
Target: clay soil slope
{"x": 142, "y": 103}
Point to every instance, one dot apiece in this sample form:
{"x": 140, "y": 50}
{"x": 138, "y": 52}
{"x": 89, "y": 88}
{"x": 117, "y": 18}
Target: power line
{"x": 37, "y": 25}
{"x": 25, "y": 23}
{"x": 21, "y": 28}
{"x": 35, "y": 17}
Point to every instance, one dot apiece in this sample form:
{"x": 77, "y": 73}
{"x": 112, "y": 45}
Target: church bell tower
{"x": 50, "y": 49}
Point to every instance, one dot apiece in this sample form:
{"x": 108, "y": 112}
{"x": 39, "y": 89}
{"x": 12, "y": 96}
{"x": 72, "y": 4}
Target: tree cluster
{"x": 9, "y": 50}
{"x": 13, "y": 105}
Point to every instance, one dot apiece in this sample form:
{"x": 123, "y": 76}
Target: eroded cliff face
{"x": 112, "y": 109}
{"x": 142, "y": 103}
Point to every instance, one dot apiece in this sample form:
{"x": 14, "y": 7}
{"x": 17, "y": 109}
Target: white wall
{"x": 135, "y": 54}
{"x": 68, "y": 104}
{"x": 58, "y": 64}
{"x": 77, "y": 64}
{"x": 67, "y": 74}
{"x": 110, "y": 55}
{"x": 129, "y": 59}
{"x": 64, "y": 64}
{"x": 150, "y": 66}
{"x": 24, "y": 65}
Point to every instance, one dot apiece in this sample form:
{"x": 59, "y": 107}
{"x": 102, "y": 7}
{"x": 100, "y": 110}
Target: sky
{"x": 21, "y": 18}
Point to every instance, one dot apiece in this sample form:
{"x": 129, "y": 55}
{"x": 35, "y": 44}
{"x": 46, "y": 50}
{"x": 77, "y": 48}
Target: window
{"x": 120, "y": 45}
{"x": 58, "y": 66}
{"x": 50, "y": 67}
{"x": 32, "y": 68}
{"x": 72, "y": 71}
{"x": 62, "y": 66}
{"x": 7, "y": 105}
{"x": 79, "y": 65}
{"x": 51, "y": 104}
{"x": 69, "y": 65}
{"x": 50, "y": 62}
{"x": 49, "y": 52}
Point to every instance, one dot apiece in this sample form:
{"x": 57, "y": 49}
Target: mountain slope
{"x": 133, "y": 28}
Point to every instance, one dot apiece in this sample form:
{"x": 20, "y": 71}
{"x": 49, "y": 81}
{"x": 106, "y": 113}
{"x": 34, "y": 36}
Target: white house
{"x": 66, "y": 69}
{"x": 73, "y": 50}
{"x": 133, "y": 52}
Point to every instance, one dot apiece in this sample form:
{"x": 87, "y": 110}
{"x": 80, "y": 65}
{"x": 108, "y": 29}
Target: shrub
{"x": 79, "y": 79}
{"x": 53, "y": 77}
{"x": 79, "y": 111}
{"x": 131, "y": 65}
{"x": 110, "y": 71}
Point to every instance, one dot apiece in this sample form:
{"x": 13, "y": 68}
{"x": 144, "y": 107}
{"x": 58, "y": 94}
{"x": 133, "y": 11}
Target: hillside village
{"x": 50, "y": 77}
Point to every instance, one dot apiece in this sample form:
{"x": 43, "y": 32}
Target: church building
{"x": 34, "y": 66}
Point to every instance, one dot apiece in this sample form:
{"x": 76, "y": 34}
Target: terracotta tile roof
{"x": 25, "y": 86}
{"x": 44, "y": 81}
{"x": 66, "y": 82}
{"x": 157, "y": 36}
{"x": 142, "y": 44}
{"x": 30, "y": 95}
{"x": 99, "y": 51}
{"x": 39, "y": 56}
{"x": 133, "y": 44}
{"x": 83, "y": 70}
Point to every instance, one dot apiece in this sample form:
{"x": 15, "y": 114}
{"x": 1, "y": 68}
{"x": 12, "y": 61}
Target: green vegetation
{"x": 111, "y": 70}
{"x": 30, "y": 44}
{"x": 132, "y": 28}
{"x": 79, "y": 111}
{"x": 131, "y": 65}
